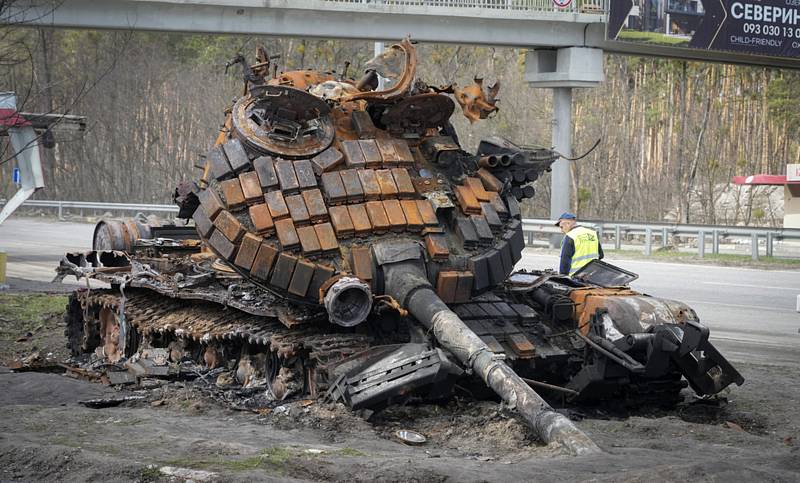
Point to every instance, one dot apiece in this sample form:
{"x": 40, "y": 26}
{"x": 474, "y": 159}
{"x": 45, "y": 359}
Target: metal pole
{"x": 60, "y": 211}
{"x": 530, "y": 238}
{"x": 664, "y": 238}
{"x": 648, "y": 247}
{"x": 769, "y": 243}
{"x": 562, "y": 141}
{"x": 715, "y": 243}
{"x": 754, "y": 246}
{"x": 617, "y": 241}
{"x": 701, "y": 244}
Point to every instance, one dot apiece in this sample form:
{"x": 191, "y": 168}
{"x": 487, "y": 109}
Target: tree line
{"x": 672, "y": 132}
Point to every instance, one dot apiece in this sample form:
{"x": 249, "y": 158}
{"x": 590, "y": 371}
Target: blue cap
{"x": 566, "y": 216}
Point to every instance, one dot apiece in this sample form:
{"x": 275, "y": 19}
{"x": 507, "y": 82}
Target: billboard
{"x": 757, "y": 27}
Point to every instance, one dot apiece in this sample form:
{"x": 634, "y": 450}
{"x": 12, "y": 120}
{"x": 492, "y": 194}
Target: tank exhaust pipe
{"x": 505, "y": 160}
{"x": 348, "y": 302}
{"x": 406, "y": 282}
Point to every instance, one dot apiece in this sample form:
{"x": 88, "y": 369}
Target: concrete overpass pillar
{"x": 562, "y": 70}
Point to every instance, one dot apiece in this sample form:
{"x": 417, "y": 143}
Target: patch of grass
{"x": 27, "y": 311}
{"x": 273, "y": 459}
{"x": 149, "y": 473}
{"x": 350, "y": 452}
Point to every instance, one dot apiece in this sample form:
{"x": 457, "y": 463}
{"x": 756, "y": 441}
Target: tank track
{"x": 260, "y": 350}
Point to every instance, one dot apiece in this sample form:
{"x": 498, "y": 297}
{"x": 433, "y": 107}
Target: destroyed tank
{"x": 345, "y": 246}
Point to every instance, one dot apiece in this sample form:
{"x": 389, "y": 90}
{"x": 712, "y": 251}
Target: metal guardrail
{"x": 92, "y": 205}
{"x": 532, "y": 227}
{"x": 663, "y": 231}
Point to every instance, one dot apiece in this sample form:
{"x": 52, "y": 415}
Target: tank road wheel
{"x": 285, "y": 377}
{"x": 81, "y": 327}
{"x": 115, "y": 345}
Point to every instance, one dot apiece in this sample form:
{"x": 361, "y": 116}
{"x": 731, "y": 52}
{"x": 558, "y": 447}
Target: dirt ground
{"x": 184, "y": 429}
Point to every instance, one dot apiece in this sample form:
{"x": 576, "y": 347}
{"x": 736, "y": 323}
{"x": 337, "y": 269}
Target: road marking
{"x": 753, "y": 286}
{"x": 724, "y": 304}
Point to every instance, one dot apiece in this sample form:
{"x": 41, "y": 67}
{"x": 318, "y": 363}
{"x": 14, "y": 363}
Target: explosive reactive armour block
{"x": 236, "y": 154}
{"x": 485, "y": 236}
{"x": 297, "y": 209}
{"x": 353, "y": 156}
{"x": 251, "y": 187}
{"x": 284, "y": 268}
{"x": 247, "y": 251}
{"x": 287, "y": 178}
{"x": 340, "y": 219}
{"x": 479, "y": 266}
{"x": 322, "y": 274}
{"x": 262, "y": 221}
{"x": 405, "y": 187}
{"x": 436, "y": 245}
{"x": 413, "y": 217}
{"x": 467, "y": 200}
{"x": 287, "y": 235}
{"x": 361, "y": 263}
{"x": 476, "y": 186}
{"x": 301, "y": 278}
{"x": 369, "y": 182}
{"x": 218, "y": 163}
{"x": 404, "y": 156}
{"x": 513, "y": 207}
{"x": 377, "y": 216}
{"x": 326, "y": 237}
{"x": 327, "y": 160}
{"x": 505, "y": 256}
{"x": 492, "y": 218}
{"x": 498, "y": 205}
{"x": 222, "y": 245}
{"x": 490, "y": 181}
{"x": 446, "y": 284}
{"x": 387, "y": 184}
{"x": 360, "y": 218}
{"x": 372, "y": 156}
{"x": 388, "y": 153}
{"x": 363, "y": 124}
{"x": 265, "y": 168}
{"x": 305, "y": 174}
{"x": 315, "y": 203}
{"x": 211, "y": 203}
{"x": 333, "y": 188}
{"x": 394, "y": 212}
{"x": 427, "y": 213}
{"x": 497, "y": 273}
{"x": 262, "y": 264}
{"x": 308, "y": 240}
{"x": 229, "y": 226}
{"x": 232, "y": 191}
{"x": 202, "y": 222}
{"x": 464, "y": 287}
{"x": 277, "y": 205}
{"x": 466, "y": 230}
{"x": 352, "y": 186}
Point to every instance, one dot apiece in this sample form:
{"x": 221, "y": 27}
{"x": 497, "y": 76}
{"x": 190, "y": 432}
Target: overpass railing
{"x": 616, "y": 234}
{"x": 511, "y": 8}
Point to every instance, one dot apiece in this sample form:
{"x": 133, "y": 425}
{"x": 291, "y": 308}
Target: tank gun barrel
{"x": 407, "y": 283}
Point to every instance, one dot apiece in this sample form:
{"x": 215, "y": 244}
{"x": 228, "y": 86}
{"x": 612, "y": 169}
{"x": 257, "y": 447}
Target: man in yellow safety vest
{"x": 580, "y": 246}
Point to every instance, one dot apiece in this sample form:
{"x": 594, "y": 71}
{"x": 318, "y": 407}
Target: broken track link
{"x": 260, "y": 350}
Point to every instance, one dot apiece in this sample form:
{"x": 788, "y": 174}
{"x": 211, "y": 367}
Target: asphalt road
{"x": 751, "y": 313}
